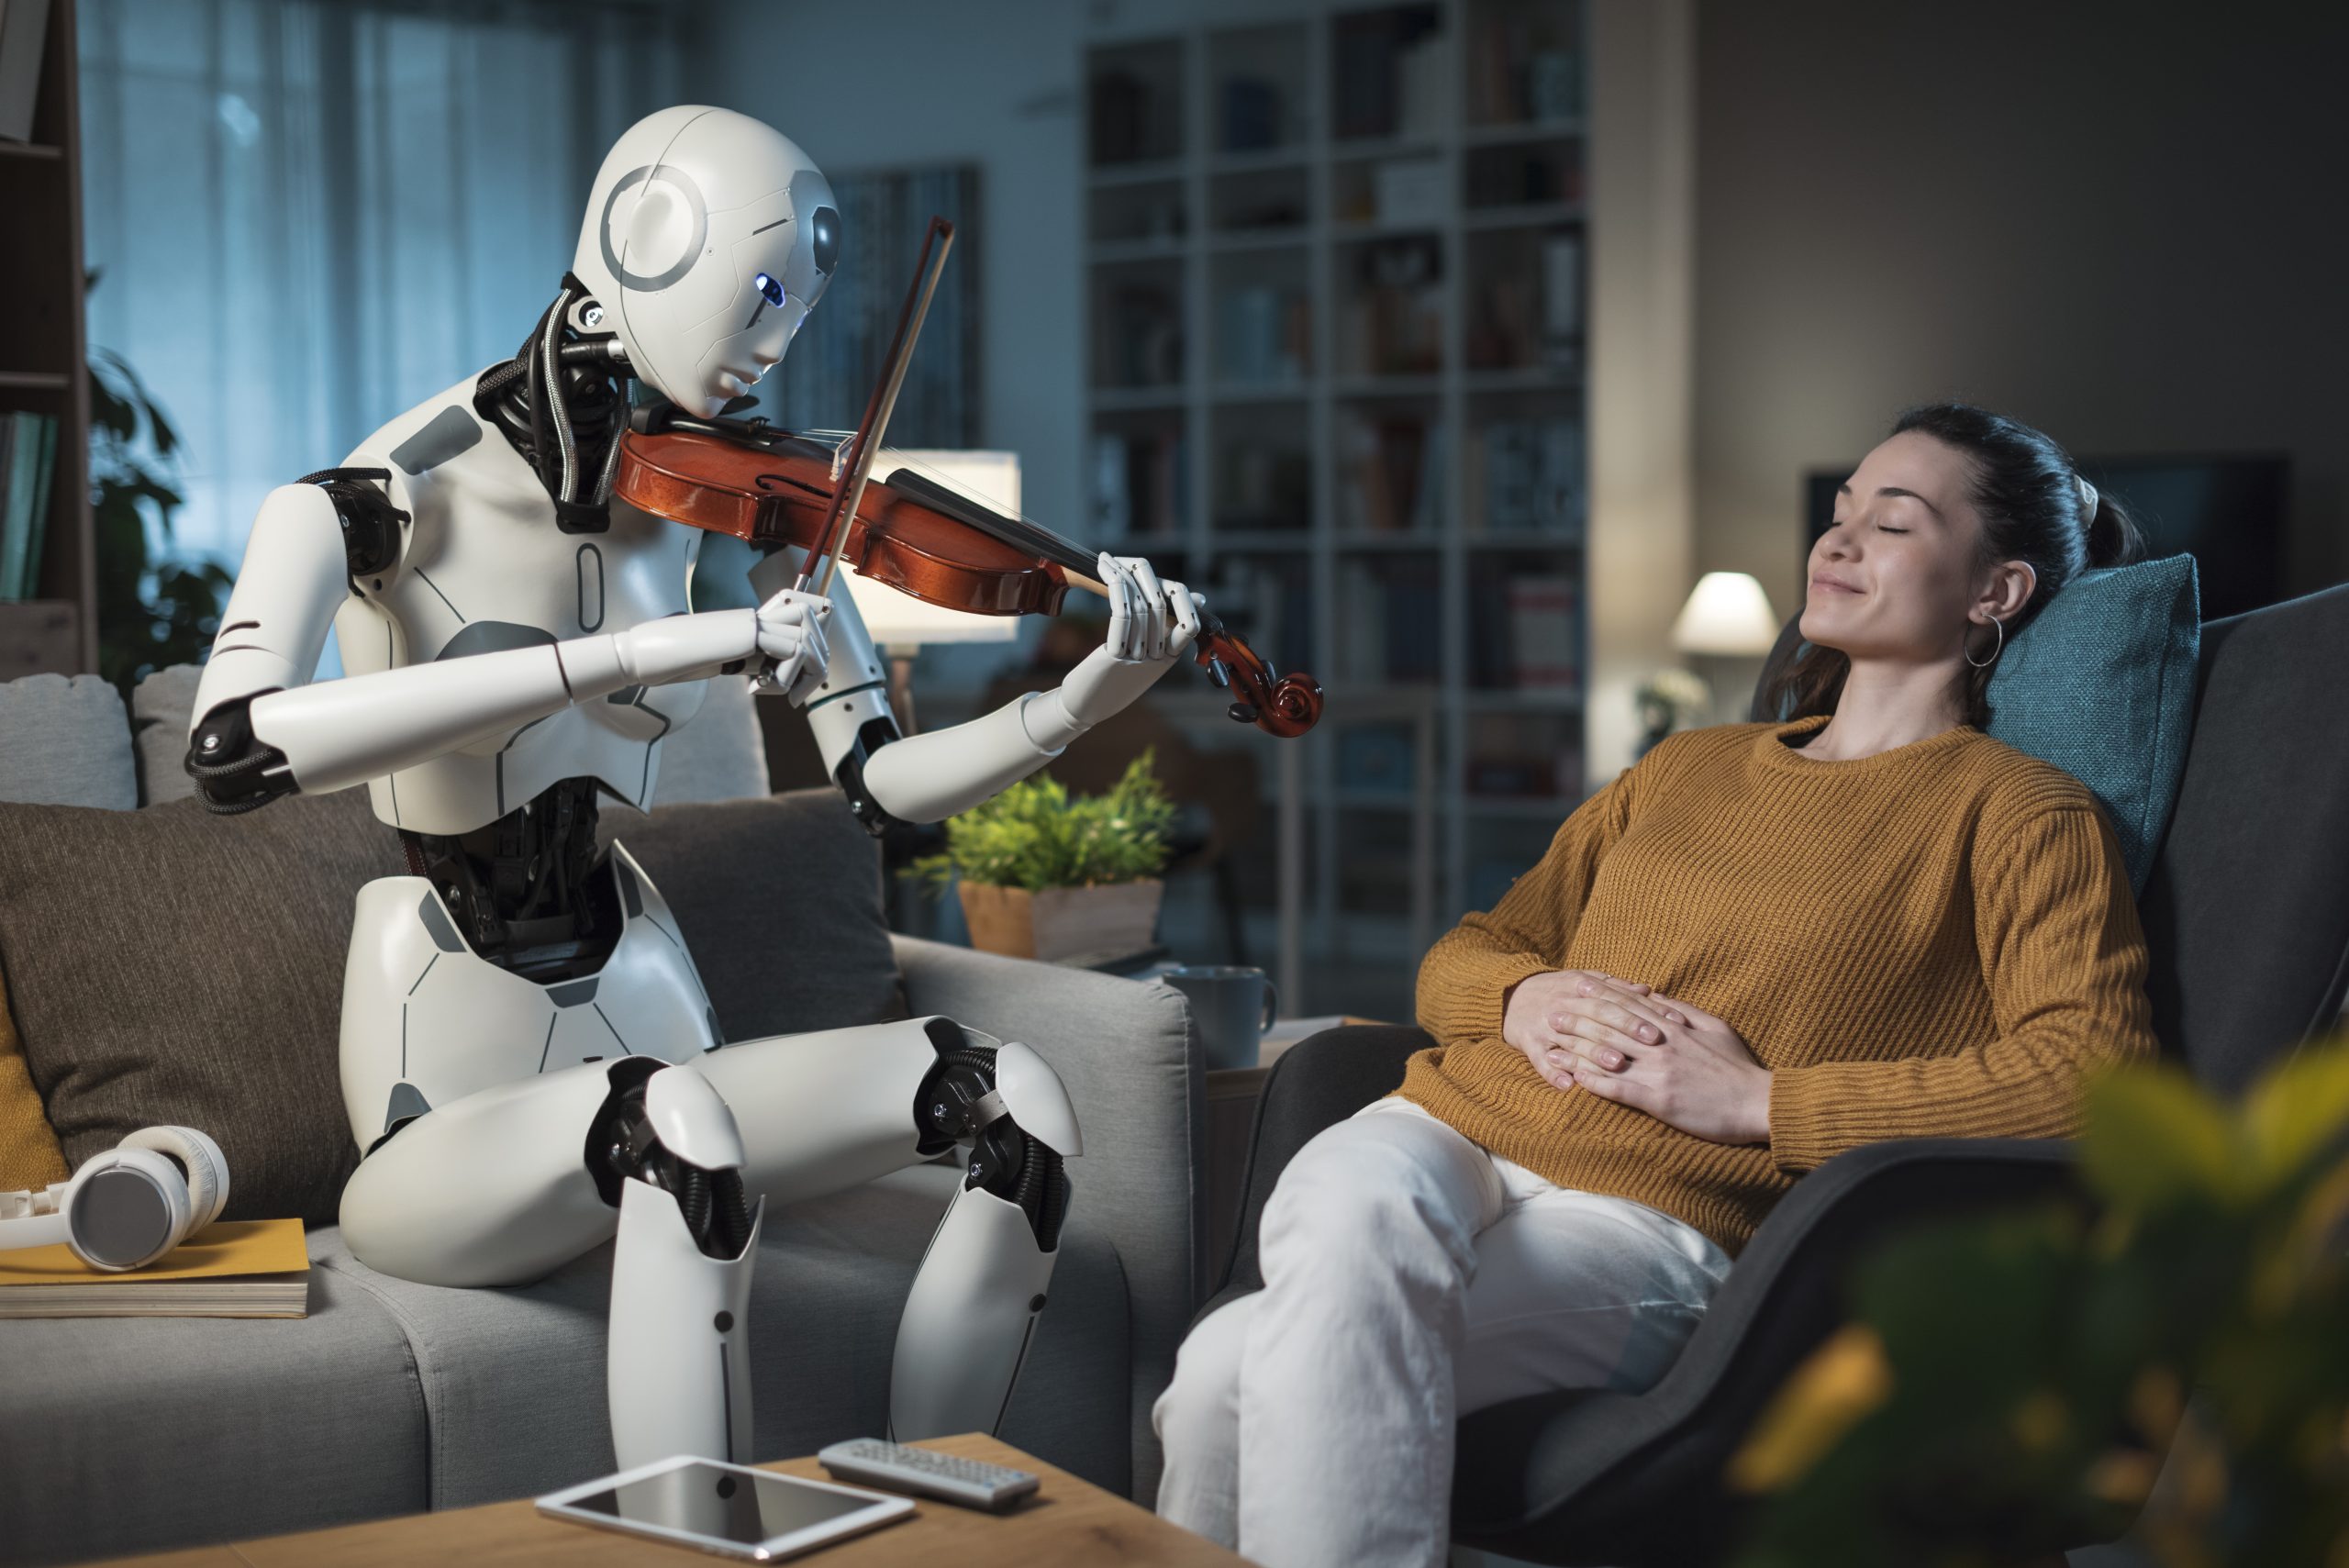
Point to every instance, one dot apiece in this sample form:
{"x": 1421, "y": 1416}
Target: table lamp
{"x": 1727, "y": 616}
{"x": 902, "y": 624}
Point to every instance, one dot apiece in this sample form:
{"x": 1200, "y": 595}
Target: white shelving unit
{"x": 1255, "y": 400}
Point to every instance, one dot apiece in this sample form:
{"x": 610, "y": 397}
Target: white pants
{"x": 1410, "y": 1276}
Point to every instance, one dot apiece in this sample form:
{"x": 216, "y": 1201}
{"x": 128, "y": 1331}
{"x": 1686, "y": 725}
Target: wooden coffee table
{"x": 1070, "y": 1521}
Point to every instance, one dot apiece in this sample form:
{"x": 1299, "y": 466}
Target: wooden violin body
{"x": 774, "y": 489}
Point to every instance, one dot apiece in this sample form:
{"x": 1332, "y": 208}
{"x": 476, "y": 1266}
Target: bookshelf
{"x": 43, "y": 362}
{"x": 1336, "y": 379}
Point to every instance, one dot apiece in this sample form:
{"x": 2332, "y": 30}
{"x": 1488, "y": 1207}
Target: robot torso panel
{"x": 483, "y": 567}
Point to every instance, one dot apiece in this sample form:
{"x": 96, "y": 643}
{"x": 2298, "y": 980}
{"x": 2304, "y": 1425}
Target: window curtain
{"x": 307, "y": 215}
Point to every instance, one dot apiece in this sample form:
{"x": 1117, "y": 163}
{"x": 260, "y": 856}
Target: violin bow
{"x": 850, "y": 493}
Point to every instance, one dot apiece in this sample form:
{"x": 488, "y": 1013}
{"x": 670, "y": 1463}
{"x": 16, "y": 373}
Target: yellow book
{"x": 237, "y": 1268}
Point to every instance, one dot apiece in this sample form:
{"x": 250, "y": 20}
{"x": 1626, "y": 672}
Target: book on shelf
{"x": 1392, "y": 73}
{"x": 1130, "y": 119}
{"x": 1411, "y": 191}
{"x": 1262, "y": 484}
{"x": 24, "y": 31}
{"x": 1544, "y": 616}
{"x": 1530, "y": 478}
{"x": 1561, "y": 287}
{"x": 1391, "y": 475}
{"x": 28, "y": 468}
{"x": 1264, "y": 333}
{"x": 1141, "y": 484}
{"x": 1252, "y": 113}
{"x": 237, "y": 1268}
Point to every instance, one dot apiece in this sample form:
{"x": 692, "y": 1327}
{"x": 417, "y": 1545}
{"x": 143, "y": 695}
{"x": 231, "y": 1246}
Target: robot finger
{"x": 1119, "y": 588}
{"x": 1154, "y": 607}
{"x": 1186, "y": 617}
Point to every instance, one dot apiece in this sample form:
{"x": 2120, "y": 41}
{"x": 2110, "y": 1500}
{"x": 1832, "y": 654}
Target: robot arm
{"x": 262, "y": 730}
{"x": 927, "y": 777}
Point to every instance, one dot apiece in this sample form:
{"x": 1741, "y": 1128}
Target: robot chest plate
{"x": 484, "y": 570}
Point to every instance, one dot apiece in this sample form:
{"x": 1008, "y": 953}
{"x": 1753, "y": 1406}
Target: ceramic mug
{"x": 1233, "y": 1005}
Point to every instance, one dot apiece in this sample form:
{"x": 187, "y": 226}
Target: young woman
{"x": 1762, "y": 946}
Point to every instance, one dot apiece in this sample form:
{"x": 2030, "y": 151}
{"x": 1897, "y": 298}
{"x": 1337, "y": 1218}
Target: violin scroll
{"x": 1281, "y": 706}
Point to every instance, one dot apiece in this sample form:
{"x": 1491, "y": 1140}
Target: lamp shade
{"x": 901, "y": 622}
{"x": 1729, "y": 613}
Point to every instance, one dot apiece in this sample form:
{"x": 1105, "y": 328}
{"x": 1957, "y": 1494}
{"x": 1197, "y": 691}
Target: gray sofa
{"x": 123, "y": 1435}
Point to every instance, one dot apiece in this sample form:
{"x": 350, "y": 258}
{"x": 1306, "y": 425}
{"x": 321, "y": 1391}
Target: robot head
{"x": 708, "y": 239}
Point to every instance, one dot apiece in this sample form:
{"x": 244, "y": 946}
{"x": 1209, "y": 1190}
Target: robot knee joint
{"x": 625, "y": 1144}
{"x": 961, "y": 1098}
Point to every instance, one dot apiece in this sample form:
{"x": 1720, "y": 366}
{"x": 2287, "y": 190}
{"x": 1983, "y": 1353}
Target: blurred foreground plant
{"x": 2011, "y": 1379}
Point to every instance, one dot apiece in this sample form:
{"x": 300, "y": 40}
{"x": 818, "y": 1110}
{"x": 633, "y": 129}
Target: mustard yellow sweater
{"x": 1936, "y": 940}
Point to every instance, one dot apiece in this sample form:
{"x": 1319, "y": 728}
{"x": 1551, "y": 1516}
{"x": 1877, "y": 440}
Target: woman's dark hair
{"x": 2033, "y": 510}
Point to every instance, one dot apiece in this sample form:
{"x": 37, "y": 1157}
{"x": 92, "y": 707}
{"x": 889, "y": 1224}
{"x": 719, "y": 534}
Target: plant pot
{"x": 1061, "y": 922}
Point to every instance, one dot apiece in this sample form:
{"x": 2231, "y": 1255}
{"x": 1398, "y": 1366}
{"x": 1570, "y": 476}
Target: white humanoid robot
{"x": 529, "y": 1061}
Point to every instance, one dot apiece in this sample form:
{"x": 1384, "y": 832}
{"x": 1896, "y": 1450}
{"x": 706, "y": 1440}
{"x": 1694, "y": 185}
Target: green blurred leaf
{"x": 2299, "y": 1111}
{"x": 2153, "y": 1135}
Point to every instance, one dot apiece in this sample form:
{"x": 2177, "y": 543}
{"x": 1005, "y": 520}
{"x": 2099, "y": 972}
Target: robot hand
{"x": 1152, "y": 625}
{"x": 791, "y": 640}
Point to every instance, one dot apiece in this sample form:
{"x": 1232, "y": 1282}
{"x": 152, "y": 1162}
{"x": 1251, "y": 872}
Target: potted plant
{"x": 1042, "y": 876}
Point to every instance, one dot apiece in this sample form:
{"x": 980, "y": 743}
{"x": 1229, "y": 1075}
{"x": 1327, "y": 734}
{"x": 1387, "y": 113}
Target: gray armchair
{"x": 2247, "y": 918}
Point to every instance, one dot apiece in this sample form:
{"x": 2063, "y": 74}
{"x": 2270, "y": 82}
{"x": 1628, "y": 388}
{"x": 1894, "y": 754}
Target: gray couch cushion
{"x": 159, "y": 709}
{"x": 779, "y": 899}
{"x": 65, "y": 743}
{"x": 513, "y": 1379}
{"x": 125, "y": 1434}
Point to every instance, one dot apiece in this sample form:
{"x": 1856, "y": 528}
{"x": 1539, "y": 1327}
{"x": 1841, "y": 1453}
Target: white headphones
{"x": 125, "y": 1209}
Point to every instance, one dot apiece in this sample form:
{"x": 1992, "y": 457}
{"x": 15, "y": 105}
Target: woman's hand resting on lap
{"x": 1617, "y": 1039}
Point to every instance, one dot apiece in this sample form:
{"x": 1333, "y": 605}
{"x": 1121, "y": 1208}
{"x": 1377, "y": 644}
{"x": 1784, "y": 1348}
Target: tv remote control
{"x": 928, "y": 1473}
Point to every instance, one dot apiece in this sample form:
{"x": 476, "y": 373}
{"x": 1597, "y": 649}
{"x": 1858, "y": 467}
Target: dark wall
{"x": 2127, "y": 224}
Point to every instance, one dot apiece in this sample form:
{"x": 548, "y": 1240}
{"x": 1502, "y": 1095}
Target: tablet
{"x": 730, "y": 1509}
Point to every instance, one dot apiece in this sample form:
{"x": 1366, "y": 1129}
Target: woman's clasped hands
{"x": 1583, "y": 1028}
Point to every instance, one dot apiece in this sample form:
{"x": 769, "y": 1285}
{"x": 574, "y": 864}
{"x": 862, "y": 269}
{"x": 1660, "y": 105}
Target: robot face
{"x": 710, "y": 236}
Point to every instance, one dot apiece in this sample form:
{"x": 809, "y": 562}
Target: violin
{"x": 774, "y": 488}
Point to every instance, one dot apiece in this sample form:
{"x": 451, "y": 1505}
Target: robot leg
{"x": 677, "y": 1372}
{"x": 983, "y": 1281}
{"x": 826, "y": 1111}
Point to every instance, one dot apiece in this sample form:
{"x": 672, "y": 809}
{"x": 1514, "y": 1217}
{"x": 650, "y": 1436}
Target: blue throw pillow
{"x": 2102, "y": 685}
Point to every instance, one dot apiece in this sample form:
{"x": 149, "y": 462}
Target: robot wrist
{"x": 687, "y": 647}
{"x": 1049, "y": 727}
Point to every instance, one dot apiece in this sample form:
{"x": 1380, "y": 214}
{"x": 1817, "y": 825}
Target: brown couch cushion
{"x": 167, "y": 966}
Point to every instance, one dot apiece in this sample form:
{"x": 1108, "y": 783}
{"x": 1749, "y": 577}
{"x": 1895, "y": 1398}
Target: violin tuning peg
{"x": 1246, "y": 712}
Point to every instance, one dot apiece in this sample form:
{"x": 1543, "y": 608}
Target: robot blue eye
{"x": 769, "y": 290}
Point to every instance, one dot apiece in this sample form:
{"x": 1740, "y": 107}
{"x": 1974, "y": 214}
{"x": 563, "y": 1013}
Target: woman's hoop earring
{"x": 2001, "y": 648}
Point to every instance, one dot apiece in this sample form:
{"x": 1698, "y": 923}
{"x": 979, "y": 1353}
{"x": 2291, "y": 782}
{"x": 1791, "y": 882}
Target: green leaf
{"x": 2153, "y": 1135}
{"x": 2299, "y": 1110}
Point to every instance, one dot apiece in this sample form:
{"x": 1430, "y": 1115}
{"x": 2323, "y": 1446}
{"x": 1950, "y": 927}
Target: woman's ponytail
{"x": 2113, "y": 535}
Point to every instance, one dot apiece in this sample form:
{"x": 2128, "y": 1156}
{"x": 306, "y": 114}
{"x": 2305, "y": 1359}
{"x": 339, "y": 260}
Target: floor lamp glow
{"x": 1727, "y": 616}
{"x": 902, "y": 624}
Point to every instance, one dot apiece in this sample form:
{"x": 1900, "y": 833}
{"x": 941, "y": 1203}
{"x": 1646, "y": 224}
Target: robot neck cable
{"x": 561, "y": 401}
